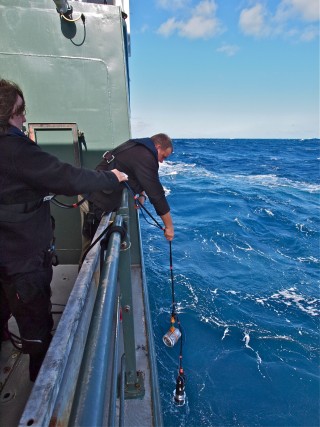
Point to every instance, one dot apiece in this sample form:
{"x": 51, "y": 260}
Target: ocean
{"x": 245, "y": 261}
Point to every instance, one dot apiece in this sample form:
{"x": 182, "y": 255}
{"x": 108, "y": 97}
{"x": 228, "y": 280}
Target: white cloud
{"x": 305, "y": 10}
{"x": 309, "y": 34}
{"x": 206, "y": 7}
{"x": 168, "y": 27}
{"x": 200, "y": 27}
{"x": 172, "y": 4}
{"x": 288, "y": 20}
{"x": 253, "y": 21}
{"x": 201, "y": 24}
{"x": 229, "y": 50}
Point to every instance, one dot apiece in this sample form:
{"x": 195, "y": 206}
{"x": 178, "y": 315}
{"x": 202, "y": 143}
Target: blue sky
{"x": 225, "y": 68}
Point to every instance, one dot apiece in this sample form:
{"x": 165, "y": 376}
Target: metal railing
{"x": 78, "y": 381}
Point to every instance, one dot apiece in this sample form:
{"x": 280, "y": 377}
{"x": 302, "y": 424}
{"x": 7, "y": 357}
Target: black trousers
{"x": 27, "y": 297}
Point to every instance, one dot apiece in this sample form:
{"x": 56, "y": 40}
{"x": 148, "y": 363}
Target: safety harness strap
{"x": 109, "y": 156}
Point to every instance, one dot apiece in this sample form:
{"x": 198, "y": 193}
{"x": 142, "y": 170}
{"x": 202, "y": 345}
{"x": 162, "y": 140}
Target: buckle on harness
{"x": 108, "y": 157}
{"x": 48, "y": 198}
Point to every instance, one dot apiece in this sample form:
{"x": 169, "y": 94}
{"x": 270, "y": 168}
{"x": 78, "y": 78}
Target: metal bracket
{"x": 136, "y": 390}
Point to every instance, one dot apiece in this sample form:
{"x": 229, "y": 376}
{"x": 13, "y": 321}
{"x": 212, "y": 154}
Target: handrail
{"x": 77, "y": 383}
{"x": 93, "y": 385}
{"x": 52, "y": 394}
{"x": 115, "y": 370}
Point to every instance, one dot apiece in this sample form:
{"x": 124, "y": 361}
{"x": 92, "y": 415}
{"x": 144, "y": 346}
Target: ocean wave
{"x": 167, "y": 190}
{"x": 306, "y": 229}
{"x": 276, "y": 337}
{"x": 276, "y": 181}
{"x": 310, "y": 259}
{"x": 290, "y": 297}
{"x": 169, "y": 168}
{"x": 267, "y": 211}
{"x": 303, "y": 260}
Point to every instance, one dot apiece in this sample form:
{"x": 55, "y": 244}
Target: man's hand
{"x": 169, "y": 233}
{"x": 120, "y": 175}
{"x": 168, "y": 226}
{"x": 142, "y": 198}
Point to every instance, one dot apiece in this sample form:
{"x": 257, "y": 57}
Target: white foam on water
{"x": 290, "y": 297}
{"x": 269, "y": 212}
{"x": 225, "y": 333}
{"x": 193, "y": 293}
{"x": 202, "y": 387}
{"x": 246, "y": 249}
{"x": 282, "y": 254}
{"x": 276, "y": 181}
{"x": 275, "y": 337}
{"x": 212, "y": 320}
{"x": 261, "y": 300}
{"x": 219, "y": 250}
{"x": 259, "y": 360}
{"x": 237, "y": 221}
{"x": 309, "y": 259}
{"x": 167, "y": 191}
{"x": 169, "y": 168}
{"x": 246, "y": 340}
{"x": 232, "y": 292}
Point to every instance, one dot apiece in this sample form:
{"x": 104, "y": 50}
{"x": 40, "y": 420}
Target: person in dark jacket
{"x": 139, "y": 159}
{"x": 27, "y": 176}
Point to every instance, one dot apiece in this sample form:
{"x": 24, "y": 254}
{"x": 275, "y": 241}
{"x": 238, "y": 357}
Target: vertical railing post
{"x": 134, "y": 385}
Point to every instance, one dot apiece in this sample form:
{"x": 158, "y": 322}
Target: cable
{"x": 171, "y": 338}
{"x": 66, "y": 206}
{"x": 72, "y": 20}
{"x": 172, "y": 282}
{"x": 137, "y": 201}
{"x": 15, "y": 340}
{"x": 95, "y": 241}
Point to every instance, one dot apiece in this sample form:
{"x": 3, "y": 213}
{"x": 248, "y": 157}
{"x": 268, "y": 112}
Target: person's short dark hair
{"x": 9, "y": 91}
{"x": 163, "y": 140}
